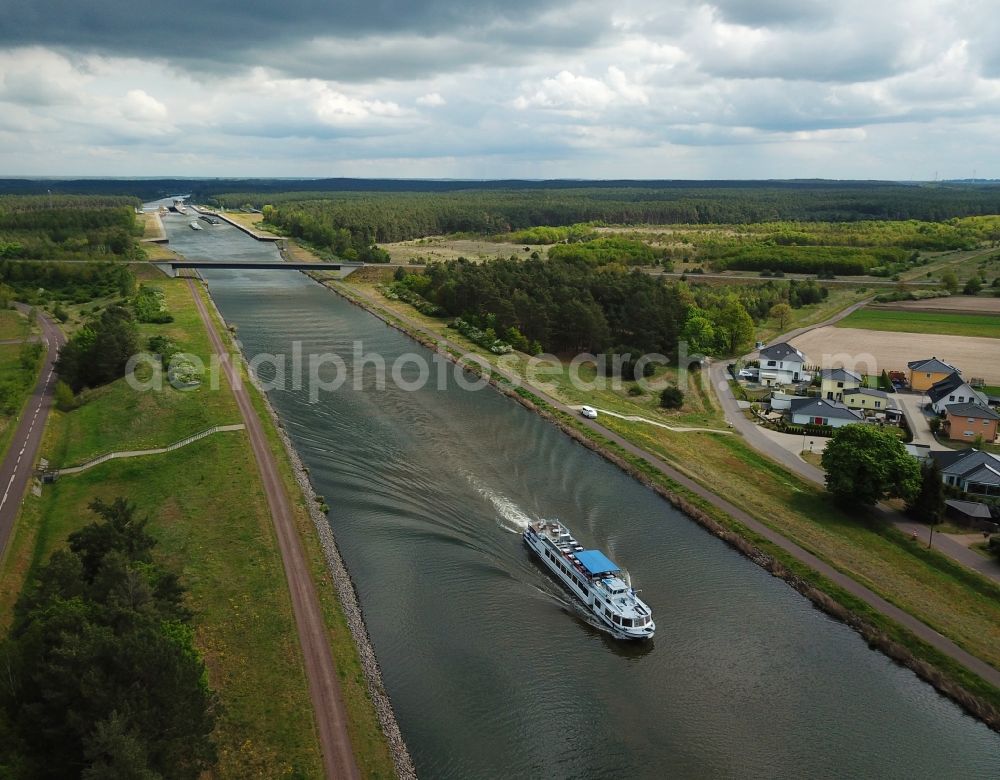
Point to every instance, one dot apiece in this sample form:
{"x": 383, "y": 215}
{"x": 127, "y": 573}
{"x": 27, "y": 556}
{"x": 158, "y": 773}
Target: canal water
{"x": 490, "y": 668}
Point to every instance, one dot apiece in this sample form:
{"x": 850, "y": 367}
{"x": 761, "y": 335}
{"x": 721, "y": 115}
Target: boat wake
{"x": 510, "y": 516}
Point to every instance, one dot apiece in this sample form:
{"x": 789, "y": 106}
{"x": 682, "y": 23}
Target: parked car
{"x": 746, "y": 373}
{"x": 589, "y": 412}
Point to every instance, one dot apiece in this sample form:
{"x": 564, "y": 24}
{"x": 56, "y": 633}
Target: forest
{"x": 572, "y": 305}
{"x": 42, "y": 282}
{"x": 101, "y": 675}
{"x": 69, "y": 227}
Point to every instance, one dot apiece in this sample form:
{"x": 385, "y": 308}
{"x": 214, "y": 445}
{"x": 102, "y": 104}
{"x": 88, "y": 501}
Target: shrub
{"x": 64, "y": 399}
{"x": 973, "y": 286}
{"x": 671, "y": 397}
{"x": 150, "y": 305}
{"x": 484, "y": 338}
{"x": 164, "y": 348}
{"x": 30, "y": 352}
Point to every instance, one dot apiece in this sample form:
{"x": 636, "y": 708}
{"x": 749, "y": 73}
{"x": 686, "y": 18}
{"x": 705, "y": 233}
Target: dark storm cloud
{"x": 406, "y": 56}
{"x": 764, "y": 13}
{"x": 247, "y": 33}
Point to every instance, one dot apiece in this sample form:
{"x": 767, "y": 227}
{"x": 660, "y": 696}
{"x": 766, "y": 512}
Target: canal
{"x": 490, "y": 668}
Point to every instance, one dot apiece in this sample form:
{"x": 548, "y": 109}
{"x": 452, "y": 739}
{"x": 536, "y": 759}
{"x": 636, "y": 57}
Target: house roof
{"x": 866, "y": 391}
{"x": 821, "y": 407}
{"x": 943, "y": 387}
{"x": 931, "y": 365}
{"x": 839, "y": 375}
{"x": 987, "y": 475}
{"x": 782, "y": 351}
{"x": 962, "y": 463}
{"x": 972, "y": 410}
{"x": 970, "y": 508}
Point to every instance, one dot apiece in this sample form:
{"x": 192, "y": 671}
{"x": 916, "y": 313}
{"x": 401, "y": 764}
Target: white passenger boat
{"x": 596, "y": 581}
{"x": 195, "y": 226}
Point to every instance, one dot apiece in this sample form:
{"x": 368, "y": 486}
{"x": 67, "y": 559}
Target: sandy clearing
{"x": 875, "y": 350}
{"x": 440, "y": 248}
{"x": 955, "y": 303}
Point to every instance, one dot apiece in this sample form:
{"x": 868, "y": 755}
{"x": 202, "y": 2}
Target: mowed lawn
{"x": 945, "y": 323}
{"x": 12, "y": 325}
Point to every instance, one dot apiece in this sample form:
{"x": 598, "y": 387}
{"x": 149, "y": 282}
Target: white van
{"x": 589, "y": 412}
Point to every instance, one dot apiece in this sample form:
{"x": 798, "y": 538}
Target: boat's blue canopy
{"x": 597, "y": 563}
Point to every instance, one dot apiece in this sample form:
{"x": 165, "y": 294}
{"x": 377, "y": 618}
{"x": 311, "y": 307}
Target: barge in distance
{"x": 597, "y": 582}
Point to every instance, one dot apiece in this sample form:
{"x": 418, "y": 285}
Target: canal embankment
{"x": 343, "y": 585}
{"x": 954, "y": 672}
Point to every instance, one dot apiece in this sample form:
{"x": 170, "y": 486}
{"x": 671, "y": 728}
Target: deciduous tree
{"x": 865, "y": 464}
{"x": 781, "y": 313}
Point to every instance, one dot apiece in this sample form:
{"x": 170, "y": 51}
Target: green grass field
{"x": 982, "y": 325}
{"x": 208, "y": 511}
{"x": 12, "y": 325}
{"x": 18, "y": 382}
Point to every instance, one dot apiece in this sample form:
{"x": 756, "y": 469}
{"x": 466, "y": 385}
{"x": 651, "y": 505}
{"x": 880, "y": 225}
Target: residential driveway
{"x": 794, "y": 442}
{"x": 911, "y": 404}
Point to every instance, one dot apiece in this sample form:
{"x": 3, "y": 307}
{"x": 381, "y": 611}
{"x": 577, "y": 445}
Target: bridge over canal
{"x": 172, "y": 267}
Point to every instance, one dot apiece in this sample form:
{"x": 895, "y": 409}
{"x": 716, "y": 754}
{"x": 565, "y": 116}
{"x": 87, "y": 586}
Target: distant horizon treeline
{"x": 372, "y": 218}
{"x": 150, "y": 188}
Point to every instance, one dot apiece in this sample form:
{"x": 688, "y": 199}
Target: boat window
{"x": 617, "y": 619}
{"x": 607, "y": 612}
{"x": 585, "y": 591}
{"x": 627, "y": 622}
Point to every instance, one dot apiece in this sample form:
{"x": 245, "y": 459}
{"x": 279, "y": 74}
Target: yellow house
{"x": 924, "y": 373}
{"x": 866, "y": 398}
{"x": 835, "y": 381}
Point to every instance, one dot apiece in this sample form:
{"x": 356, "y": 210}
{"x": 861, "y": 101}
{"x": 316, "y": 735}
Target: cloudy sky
{"x": 894, "y": 89}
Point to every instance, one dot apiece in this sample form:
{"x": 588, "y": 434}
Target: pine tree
{"x": 928, "y": 505}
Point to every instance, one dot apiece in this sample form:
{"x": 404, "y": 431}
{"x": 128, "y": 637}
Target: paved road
{"x": 324, "y": 686}
{"x": 853, "y": 587}
{"x": 15, "y": 471}
{"x": 911, "y": 404}
{"x": 760, "y": 441}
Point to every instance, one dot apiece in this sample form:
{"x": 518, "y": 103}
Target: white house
{"x": 954, "y": 390}
{"x": 821, "y": 411}
{"x": 835, "y": 382}
{"x": 781, "y": 364}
